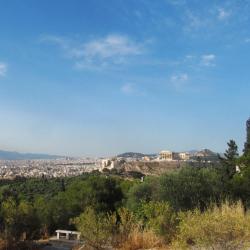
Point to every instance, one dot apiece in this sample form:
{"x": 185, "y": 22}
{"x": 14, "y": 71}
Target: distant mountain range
{"x": 10, "y": 155}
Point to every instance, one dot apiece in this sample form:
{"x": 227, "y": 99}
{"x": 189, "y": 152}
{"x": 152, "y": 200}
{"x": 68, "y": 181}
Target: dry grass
{"x": 221, "y": 228}
{"x": 142, "y": 240}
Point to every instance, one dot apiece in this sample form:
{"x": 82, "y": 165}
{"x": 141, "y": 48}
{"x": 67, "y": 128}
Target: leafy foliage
{"x": 96, "y": 229}
{"x": 229, "y": 160}
{"x": 160, "y": 218}
{"x": 191, "y": 187}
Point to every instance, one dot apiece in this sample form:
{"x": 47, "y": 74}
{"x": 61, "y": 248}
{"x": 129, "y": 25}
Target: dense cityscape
{"x": 69, "y": 166}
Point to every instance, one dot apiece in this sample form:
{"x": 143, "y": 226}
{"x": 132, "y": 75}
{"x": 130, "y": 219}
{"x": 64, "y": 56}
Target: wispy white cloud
{"x": 57, "y": 40}
{"x": 208, "y": 60}
{"x": 199, "y": 61}
{"x": 209, "y": 18}
{"x": 108, "y": 47}
{"x": 189, "y": 57}
{"x": 114, "y": 49}
{"x": 247, "y": 40}
{"x": 176, "y": 2}
{"x": 111, "y": 50}
{"x": 127, "y": 88}
{"x": 3, "y": 68}
{"x": 138, "y": 14}
{"x": 223, "y": 14}
{"x": 194, "y": 21}
{"x": 179, "y": 81}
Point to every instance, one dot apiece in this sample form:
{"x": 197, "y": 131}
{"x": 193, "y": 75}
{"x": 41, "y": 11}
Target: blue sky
{"x": 99, "y": 77}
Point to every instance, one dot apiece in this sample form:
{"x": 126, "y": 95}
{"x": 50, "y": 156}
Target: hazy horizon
{"x": 107, "y": 155}
{"x": 97, "y": 78}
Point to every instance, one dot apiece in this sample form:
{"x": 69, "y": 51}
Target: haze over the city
{"x": 103, "y": 77}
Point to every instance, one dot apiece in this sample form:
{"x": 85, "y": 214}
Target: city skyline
{"x": 92, "y": 78}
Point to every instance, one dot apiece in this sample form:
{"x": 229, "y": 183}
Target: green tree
{"x": 247, "y": 144}
{"x": 244, "y": 161}
{"x": 44, "y": 215}
{"x": 191, "y": 187}
{"x": 229, "y": 160}
{"x": 241, "y": 187}
{"x": 145, "y": 191}
{"x": 9, "y": 211}
{"x": 20, "y": 220}
{"x": 28, "y": 222}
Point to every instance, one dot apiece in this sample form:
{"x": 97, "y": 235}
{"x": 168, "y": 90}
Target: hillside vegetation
{"x": 188, "y": 208}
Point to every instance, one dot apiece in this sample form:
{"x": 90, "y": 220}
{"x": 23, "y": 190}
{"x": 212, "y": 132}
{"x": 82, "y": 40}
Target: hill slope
{"x": 10, "y": 155}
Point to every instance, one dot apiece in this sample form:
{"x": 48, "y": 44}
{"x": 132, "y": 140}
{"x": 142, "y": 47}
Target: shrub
{"x": 133, "y": 233}
{"x": 127, "y": 224}
{"x": 120, "y": 230}
{"x": 96, "y": 229}
{"x": 160, "y": 218}
{"x": 225, "y": 228}
{"x": 139, "y": 239}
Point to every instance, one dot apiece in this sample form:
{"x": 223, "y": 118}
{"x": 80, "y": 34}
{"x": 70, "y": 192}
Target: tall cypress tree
{"x": 247, "y": 144}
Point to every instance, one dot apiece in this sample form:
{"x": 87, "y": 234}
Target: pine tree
{"x": 232, "y": 152}
{"x": 229, "y": 159}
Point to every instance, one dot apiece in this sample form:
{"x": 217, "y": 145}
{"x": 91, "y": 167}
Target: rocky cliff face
{"x": 149, "y": 168}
